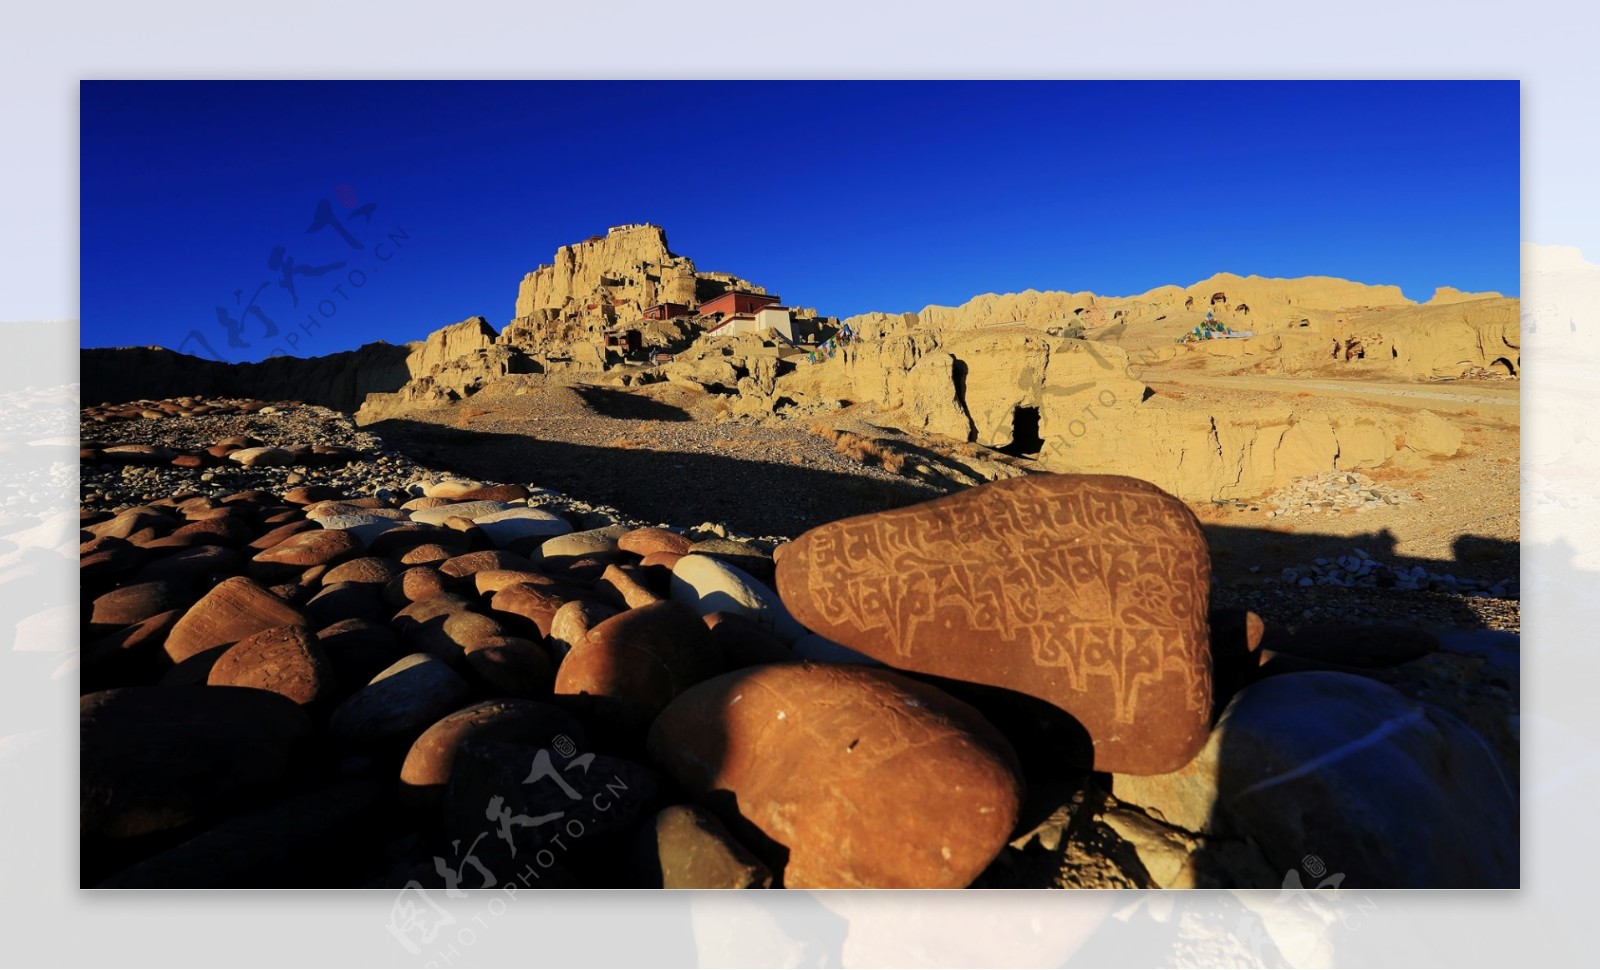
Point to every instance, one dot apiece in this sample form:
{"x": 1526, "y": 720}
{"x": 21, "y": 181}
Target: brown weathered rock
{"x": 157, "y": 758}
{"x": 280, "y": 535}
{"x": 525, "y": 607}
{"x": 631, "y": 666}
{"x": 861, "y": 777}
{"x": 491, "y": 581}
{"x": 625, "y": 587}
{"x": 285, "y": 660}
{"x": 135, "y": 604}
{"x": 367, "y": 569}
{"x": 426, "y": 554}
{"x": 452, "y": 635}
{"x": 1088, "y": 592}
{"x": 427, "y": 615}
{"x": 474, "y": 562}
{"x": 231, "y": 611}
{"x": 650, "y": 540}
{"x": 493, "y": 493}
{"x": 323, "y": 547}
{"x": 414, "y": 585}
{"x": 687, "y": 848}
{"x": 310, "y": 494}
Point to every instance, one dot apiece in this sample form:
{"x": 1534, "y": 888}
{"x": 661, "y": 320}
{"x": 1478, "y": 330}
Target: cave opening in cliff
{"x": 1503, "y": 366}
{"x": 1025, "y": 440}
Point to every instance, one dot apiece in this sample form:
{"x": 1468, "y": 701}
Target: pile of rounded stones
{"x": 242, "y": 450}
{"x": 1358, "y": 569}
{"x": 191, "y": 406}
{"x": 458, "y": 689}
{"x": 1332, "y": 493}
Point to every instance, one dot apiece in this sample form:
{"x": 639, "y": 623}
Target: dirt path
{"x": 1501, "y": 400}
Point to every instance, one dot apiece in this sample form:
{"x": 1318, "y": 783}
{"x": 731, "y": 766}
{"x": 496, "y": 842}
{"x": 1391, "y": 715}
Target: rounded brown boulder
{"x": 845, "y": 777}
{"x": 135, "y": 604}
{"x": 650, "y": 540}
{"x": 231, "y": 611}
{"x": 322, "y": 547}
{"x": 285, "y": 660}
{"x": 631, "y": 666}
{"x": 528, "y": 608}
{"x": 1088, "y": 592}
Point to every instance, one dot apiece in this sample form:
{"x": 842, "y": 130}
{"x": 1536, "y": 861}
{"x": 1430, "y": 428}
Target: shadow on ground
{"x": 681, "y": 488}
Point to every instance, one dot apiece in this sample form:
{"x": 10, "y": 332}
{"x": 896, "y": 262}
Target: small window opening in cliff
{"x": 1025, "y": 440}
{"x": 1394, "y": 351}
{"x": 1503, "y": 366}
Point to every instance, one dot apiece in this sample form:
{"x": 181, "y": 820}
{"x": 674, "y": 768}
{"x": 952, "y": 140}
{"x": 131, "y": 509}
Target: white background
{"x": 45, "y": 49}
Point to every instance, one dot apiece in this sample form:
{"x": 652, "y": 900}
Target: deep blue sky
{"x": 843, "y": 196}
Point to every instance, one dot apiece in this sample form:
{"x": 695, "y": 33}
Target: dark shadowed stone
{"x": 231, "y": 611}
{"x": 603, "y": 797}
{"x": 399, "y": 703}
{"x": 427, "y": 768}
{"x": 512, "y": 667}
{"x": 1086, "y": 591}
{"x": 129, "y": 656}
{"x": 285, "y": 660}
{"x": 428, "y": 614}
{"x": 687, "y": 848}
{"x": 845, "y": 777}
{"x": 742, "y": 642}
{"x": 629, "y": 667}
{"x": 452, "y": 635}
{"x": 403, "y": 542}
{"x": 157, "y": 758}
{"x": 358, "y": 650}
{"x": 752, "y": 559}
{"x": 1351, "y": 645}
{"x": 1391, "y": 792}
{"x": 320, "y": 839}
{"x": 346, "y": 601}
{"x": 199, "y": 568}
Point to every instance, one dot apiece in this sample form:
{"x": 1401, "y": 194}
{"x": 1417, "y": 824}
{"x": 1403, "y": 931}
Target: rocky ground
{"x": 513, "y": 649}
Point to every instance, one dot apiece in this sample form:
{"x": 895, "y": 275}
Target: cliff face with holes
{"x": 1073, "y": 406}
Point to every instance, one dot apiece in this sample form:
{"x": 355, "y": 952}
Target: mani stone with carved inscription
{"x": 1086, "y": 591}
